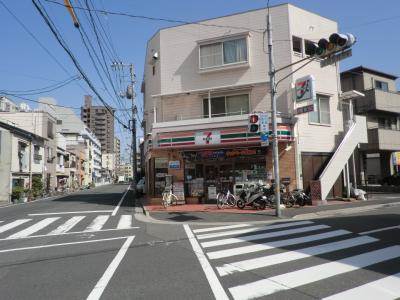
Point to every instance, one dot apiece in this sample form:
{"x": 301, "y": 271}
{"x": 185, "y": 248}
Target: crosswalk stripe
{"x": 309, "y": 275}
{"x": 67, "y": 226}
{"x": 270, "y": 260}
{"x": 125, "y": 221}
{"x": 387, "y": 288}
{"x": 260, "y": 236}
{"x": 247, "y": 230}
{"x": 13, "y": 224}
{"x": 34, "y": 228}
{"x": 270, "y": 245}
{"x": 97, "y": 223}
{"x": 220, "y": 228}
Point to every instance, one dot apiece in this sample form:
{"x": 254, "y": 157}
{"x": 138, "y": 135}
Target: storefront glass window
{"x": 160, "y": 172}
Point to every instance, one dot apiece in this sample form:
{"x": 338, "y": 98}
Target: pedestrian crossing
{"x": 245, "y": 261}
{"x": 51, "y": 226}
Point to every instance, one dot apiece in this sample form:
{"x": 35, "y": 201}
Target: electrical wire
{"x": 42, "y": 11}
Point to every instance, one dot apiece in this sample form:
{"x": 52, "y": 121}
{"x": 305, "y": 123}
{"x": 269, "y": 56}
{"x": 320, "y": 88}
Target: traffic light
{"x": 337, "y": 42}
{"x": 254, "y": 123}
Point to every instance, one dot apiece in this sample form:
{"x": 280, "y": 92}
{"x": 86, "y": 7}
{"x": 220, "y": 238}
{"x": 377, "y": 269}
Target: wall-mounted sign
{"x": 179, "y": 191}
{"x": 305, "y": 89}
{"x": 223, "y": 154}
{"x": 304, "y": 109}
{"x": 174, "y": 164}
{"x": 207, "y": 137}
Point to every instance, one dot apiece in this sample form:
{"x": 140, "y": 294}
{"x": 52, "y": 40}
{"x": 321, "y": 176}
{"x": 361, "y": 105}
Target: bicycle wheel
{"x": 173, "y": 199}
{"x": 231, "y": 201}
{"x": 220, "y": 200}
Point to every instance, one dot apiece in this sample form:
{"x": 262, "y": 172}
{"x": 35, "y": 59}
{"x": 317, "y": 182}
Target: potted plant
{"x": 16, "y": 193}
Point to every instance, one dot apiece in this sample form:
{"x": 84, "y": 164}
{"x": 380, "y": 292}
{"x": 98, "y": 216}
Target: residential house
{"x": 202, "y": 80}
{"x": 381, "y": 106}
{"x": 21, "y": 159}
{"x": 7, "y": 105}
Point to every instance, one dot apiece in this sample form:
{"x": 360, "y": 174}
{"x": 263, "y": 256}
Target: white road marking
{"x": 387, "y": 288}
{"x": 67, "y": 226}
{"x": 68, "y": 233}
{"x": 270, "y": 245}
{"x": 114, "y": 212}
{"x": 220, "y": 228}
{"x": 102, "y": 283}
{"x": 71, "y": 212}
{"x": 212, "y": 278}
{"x": 125, "y": 221}
{"x": 309, "y": 275}
{"x": 260, "y": 236}
{"x": 13, "y": 224}
{"x": 247, "y": 230}
{"x": 62, "y": 244}
{"x": 97, "y": 223}
{"x": 34, "y": 228}
{"x": 380, "y": 229}
{"x": 270, "y": 260}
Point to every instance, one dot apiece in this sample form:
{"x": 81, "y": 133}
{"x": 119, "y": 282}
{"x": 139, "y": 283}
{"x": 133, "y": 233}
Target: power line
{"x": 53, "y": 29}
{"x": 38, "y": 42}
{"x": 158, "y": 19}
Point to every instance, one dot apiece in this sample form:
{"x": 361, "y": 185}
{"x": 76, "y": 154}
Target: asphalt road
{"x": 90, "y": 246}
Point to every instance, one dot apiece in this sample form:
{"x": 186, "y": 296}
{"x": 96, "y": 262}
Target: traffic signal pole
{"x": 275, "y": 150}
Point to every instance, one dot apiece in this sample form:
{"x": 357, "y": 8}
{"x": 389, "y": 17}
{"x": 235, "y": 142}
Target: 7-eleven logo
{"x": 207, "y": 137}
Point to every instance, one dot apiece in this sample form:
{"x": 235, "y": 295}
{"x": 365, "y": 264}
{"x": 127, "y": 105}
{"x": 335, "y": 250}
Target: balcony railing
{"x": 376, "y": 99}
{"x": 382, "y": 139}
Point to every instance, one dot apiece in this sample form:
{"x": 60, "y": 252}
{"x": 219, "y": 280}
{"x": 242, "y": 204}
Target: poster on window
{"x": 179, "y": 191}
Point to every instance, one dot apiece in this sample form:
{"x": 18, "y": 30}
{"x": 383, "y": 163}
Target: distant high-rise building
{"x": 100, "y": 121}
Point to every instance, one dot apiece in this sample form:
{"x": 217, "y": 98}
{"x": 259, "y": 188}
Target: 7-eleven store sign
{"x": 236, "y": 135}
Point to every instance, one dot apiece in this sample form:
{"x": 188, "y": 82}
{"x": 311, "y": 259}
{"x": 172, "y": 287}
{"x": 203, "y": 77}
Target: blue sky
{"x": 24, "y": 65}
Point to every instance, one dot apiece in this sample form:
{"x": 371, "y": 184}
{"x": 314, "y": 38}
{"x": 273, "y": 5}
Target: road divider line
{"x": 114, "y": 212}
{"x": 220, "y": 228}
{"x": 34, "y": 228}
{"x": 271, "y": 245}
{"x": 97, "y": 223}
{"x": 284, "y": 257}
{"x": 212, "y": 278}
{"x": 254, "y": 229}
{"x": 309, "y": 275}
{"x": 125, "y": 221}
{"x": 61, "y": 244}
{"x": 66, "y": 233}
{"x": 13, "y": 224}
{"x": 71, "y": 212}
{"x": 261, "y": 236}
{"x": 103, "y": 282}
{"x": 380, "y": 229}
{"x": 67, "y": 226}
{"x": 387, "y": 288}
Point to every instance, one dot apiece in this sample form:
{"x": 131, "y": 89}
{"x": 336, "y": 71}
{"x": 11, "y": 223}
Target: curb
{"x": 145, "y": 216}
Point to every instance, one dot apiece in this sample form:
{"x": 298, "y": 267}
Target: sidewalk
{"x": 210, "y": 213}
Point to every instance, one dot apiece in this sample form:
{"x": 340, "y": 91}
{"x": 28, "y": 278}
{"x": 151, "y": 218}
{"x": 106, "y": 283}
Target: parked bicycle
{"x": 168, "y": 197}
{"x": 226, "y": 198}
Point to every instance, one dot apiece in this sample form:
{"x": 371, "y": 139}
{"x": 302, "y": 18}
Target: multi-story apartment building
{"x": 21, "y": 158}
{"x": 42, "y": 124}
{"x": 201, "y": 83}
{"x": 381, "y": 105}
{"x": 7, "y": 105}
{"x": 126, "y": 170}
{"x": 101, "y": 122}
{"x": 62, "y": 162}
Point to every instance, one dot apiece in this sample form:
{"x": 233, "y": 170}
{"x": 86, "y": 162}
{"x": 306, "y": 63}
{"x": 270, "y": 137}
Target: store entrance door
{"x": 211, "y": 182}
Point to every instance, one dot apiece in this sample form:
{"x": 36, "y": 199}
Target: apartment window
{"x": 226, "y": 105}
{"x": 296, "y": 41}
{"x": 223, "y": 53}
{"x": 389, "y": 123}
{"x": 50, "y": 133}
{"x": 321, "y": 113}
{"x": 382, "y": 85}
{"x": 309, "y": 47}
{"x": 154, "y": 70}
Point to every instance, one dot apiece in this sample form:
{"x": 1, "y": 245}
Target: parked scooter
{"x": 252, "y": 196}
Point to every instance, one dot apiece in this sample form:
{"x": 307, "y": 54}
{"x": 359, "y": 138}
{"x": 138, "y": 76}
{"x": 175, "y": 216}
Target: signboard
{"x": 207, "y": 137}
{"x": 304, "y": 109}
{"x": 179, "y": 191}
{"x": 174, "y": 164}
{"x": 305, "y": 89}
{"x": 212, "y": 192}
{"x": 223, "y": 154}
{"x": 264, "y": 128}
{"x": 335, "y": 58}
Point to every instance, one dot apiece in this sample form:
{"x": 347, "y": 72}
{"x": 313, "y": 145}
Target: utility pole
{"x": 130, "y": 94}
{"x": 275, "y": 150}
